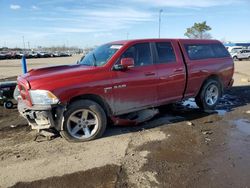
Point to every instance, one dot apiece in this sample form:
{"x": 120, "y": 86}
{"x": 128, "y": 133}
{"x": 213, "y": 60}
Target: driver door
{"x": 135, "y": 88}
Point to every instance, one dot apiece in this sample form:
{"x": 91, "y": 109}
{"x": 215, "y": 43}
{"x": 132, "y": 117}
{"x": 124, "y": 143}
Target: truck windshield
{"x": 100, "y": 55}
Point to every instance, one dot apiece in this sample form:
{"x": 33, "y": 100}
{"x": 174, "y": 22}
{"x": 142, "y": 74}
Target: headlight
{"x": 43, "y": 97}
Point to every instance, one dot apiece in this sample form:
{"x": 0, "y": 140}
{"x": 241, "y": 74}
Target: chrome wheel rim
{"x": 82, "y": 124}
{"x": 212, "y": 95}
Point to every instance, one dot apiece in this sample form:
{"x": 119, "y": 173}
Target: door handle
{"x": 178, "y": 70}
{"x": 149, "y": 73}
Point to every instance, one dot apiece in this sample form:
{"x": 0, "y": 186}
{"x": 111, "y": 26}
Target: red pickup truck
{"x": 122, "y": 77}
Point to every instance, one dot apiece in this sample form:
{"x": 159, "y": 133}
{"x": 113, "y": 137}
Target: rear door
{"x": 135, "y": 88}
{"x": 245, "y": 54}
{"x": 241, "y": 54}
{"x": 171, "y": 71}
{"x": 248, "y": 54}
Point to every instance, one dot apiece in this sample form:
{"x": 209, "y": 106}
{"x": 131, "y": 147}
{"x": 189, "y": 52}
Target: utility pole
{"x": 23, "y": 44}
{"x": 29, "y": 45}
{"x": 127, "y": 35}
{"x": 160, "y": 22}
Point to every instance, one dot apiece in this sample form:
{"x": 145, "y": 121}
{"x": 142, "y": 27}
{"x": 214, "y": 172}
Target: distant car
{"x": 2, "y": 56}
{"x": 8, "y": 55}
{"x": 18, "y": 55}
{"x": 63, "y": 54}
{"x": 242, "y": 54}
{"x": 6, "y": 93}
{"x": 55, "y": 54}
{"x": 43, "y": 54}
{"x": 234, "y": 49}
{"x": 33, "y": 54}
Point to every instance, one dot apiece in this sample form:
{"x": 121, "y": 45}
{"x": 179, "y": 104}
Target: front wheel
{"x": 235, "y": 58}
{"x": 209, "y": 95}
{"x": 83, "y": 121}
{"x": 8, "y": 105}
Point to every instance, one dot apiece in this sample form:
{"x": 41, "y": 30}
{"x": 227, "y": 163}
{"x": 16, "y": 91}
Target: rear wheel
{"x": 83, "y": 121}
{"x": 209, "y": 95}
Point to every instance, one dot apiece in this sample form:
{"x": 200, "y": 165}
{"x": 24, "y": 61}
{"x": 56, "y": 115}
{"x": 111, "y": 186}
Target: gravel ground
{"x": 184, "y": 148}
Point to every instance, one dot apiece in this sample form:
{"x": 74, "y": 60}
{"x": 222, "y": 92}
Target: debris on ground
{"x": 189, "y": 123}
{"x": 48, "y": 135}
{"x": 207, "y": 140}
{"x": 13, "y": 126}
{"x": 207, "y": 132}
{"x": 18, "y": 156}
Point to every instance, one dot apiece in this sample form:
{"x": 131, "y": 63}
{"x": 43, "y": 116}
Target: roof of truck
{"x": 164, "y": 39}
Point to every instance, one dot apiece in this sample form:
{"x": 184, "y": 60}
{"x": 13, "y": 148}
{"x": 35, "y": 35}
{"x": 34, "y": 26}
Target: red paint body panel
{"x": 171, "y": 78}
{"x": 199, "y": 70}
{"x": 136, "y": 88}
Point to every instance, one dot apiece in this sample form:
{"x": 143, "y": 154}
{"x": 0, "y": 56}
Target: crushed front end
{"x": 39, "y": 107}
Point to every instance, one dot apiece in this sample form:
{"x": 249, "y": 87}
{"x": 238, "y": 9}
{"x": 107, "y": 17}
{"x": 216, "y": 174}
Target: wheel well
{"x": 211, "y": 77}
{"x": 99, "y": 100}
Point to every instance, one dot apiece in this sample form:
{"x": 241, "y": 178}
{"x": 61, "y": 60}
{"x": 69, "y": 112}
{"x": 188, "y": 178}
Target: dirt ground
{"x": 180, "y": 147}
{"x": 12, "y": 67}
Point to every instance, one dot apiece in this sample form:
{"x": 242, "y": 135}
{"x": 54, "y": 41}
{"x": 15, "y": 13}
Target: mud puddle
{"x": 226, "y": 104}
{"x": 221, "y": 112}
{"x": 243, "y": 125}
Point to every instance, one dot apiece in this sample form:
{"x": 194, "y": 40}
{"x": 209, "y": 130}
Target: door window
{"x": 141, "y": 54}
{"x": 165, "y": 52}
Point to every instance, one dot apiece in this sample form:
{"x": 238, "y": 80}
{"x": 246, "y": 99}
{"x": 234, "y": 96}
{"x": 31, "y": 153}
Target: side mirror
{"x": 127, "y": 62}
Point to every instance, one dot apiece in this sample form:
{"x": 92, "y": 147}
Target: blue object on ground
{"x": 24, "y": 65}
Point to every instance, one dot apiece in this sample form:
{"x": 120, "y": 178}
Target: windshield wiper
{"x": 94, "y": 59}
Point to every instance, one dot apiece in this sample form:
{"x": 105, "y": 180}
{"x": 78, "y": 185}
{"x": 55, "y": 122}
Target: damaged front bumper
{"x": 42, "y": 117}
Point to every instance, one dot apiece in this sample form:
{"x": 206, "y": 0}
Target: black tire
{"x": 8, "y": 105}
{"x": 90, "y": 106}
{"x": 235, "y": 58}
{"x": 201, "y": 97}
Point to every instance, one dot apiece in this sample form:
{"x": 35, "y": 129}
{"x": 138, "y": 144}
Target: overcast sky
{"x": 92, "y": 22}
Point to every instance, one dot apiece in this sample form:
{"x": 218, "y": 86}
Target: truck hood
{"x": 38, "y": 78}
